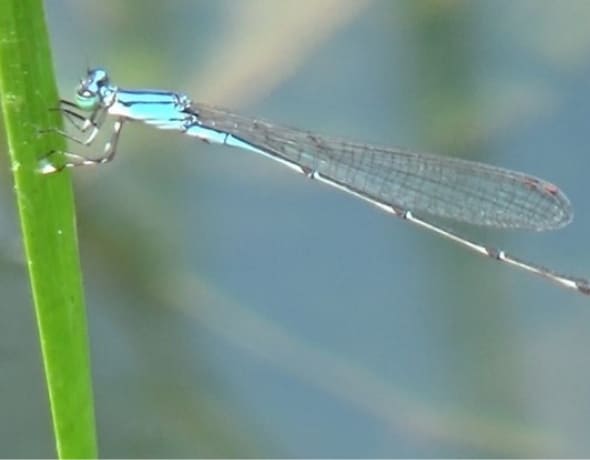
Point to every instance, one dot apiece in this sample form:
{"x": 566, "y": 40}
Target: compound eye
{"x": 86, "y": 100}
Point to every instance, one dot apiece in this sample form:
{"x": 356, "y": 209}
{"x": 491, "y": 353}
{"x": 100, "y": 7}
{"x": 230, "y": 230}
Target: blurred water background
{"x": 238, "y": 309}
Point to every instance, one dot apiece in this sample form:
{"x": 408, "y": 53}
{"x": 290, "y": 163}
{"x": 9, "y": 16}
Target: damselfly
{"x": 397, "y": 181}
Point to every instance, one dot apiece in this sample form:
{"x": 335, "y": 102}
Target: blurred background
{"x": 238, "y": 309}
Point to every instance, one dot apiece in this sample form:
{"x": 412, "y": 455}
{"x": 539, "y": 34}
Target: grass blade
{"x": 46, "y": 210}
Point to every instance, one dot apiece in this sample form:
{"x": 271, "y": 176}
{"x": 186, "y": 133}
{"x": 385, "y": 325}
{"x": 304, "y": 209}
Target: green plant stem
{"x": 47, "y": 218}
